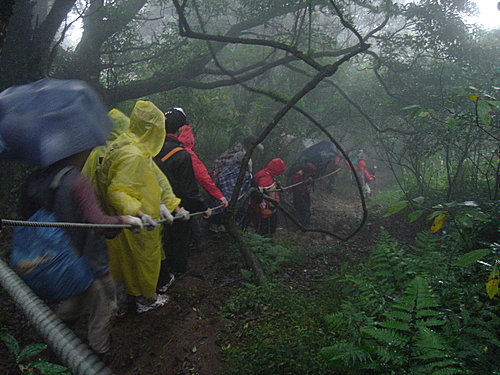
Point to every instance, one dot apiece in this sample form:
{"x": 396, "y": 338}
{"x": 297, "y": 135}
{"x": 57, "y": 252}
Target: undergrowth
{"x": 405, "y": 311}
{"x": 276, "y": 330}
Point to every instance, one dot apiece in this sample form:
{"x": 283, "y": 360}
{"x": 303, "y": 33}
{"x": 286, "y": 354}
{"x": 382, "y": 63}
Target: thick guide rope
{"x": 68, "y": 347}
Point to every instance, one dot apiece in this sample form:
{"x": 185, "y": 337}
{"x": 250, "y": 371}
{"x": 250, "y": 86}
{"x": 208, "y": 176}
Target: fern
{"x": 341, "y": 355}
{"x": 407, "y": 332}
{"x": 388, "y": 266}
{"x": 426, "y": 310}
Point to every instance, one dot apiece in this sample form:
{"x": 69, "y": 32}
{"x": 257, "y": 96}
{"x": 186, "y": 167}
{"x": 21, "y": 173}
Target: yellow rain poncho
{"x": 128, "y": 180}
{"x": 121, "y": 122}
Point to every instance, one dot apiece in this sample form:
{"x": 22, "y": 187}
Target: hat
{"x": 174, "y": 119}
{"x": 180, "y": 110}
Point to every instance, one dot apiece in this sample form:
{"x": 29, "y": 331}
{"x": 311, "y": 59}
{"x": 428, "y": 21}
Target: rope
{"x": 23, "y": 223}
{"x": 9, "y": 222}
{"x": 305, "y": 181}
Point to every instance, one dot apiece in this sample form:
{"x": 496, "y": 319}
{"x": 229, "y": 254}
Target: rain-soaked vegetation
{"x": 401, "y": 278}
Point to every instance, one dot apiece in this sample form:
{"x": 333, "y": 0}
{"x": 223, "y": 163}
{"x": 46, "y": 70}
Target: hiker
{"x": 264, "y": 213}
{"x": 176, "y": 163}
{"x": 226, "y": 157}
{"x": 358, "y": 161}
{"x": 74, "y": 201}
{"x": 201, "y": 174}
{"x": 121, "y": 122}
{"x": 303, "y": 176}
{"x": 226, "y": 181}
{"x": 129, "y": 182}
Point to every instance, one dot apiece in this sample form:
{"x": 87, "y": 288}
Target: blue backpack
{"x": 46, "y": 260}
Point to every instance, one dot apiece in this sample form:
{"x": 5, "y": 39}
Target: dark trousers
{"x": 267, "y": 226}
{"x": 302, "y": 204}
{"x": 195, "y": 231}
{"x": 175, "y": 244}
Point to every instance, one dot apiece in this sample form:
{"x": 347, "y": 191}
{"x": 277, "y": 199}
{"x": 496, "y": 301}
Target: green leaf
{"x": 415, "y": 113}
{"x": 494, "y": 103}
{"x": 32, "y": 350}
{"x": 434, "y": 214}
{"x": 11, "y": 342}
{"x": 472, "y": 257}
{"x": 495, "y": 272}
{"x": 452, "y": 123}
{"x": 395, "y": 208}
{"x": 483, "y": 110}
{"x": 477, "y": 214}
{"x": 419, "y": 199}
{"x": 464, "y": 220}
{"x": 394, "y": 324}
{"x": 412, "y": 216}
{"x": 47, "y": 368}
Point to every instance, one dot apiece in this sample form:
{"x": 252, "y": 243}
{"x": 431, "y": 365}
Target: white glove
{"x": 182, "y": 214}
{"x": 148, "y": 222}
{"x": 165, "y": 214}
{"x": 134, "y": 222}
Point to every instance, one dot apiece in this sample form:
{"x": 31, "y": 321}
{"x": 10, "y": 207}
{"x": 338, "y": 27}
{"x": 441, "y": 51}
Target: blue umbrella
{"x": 48, "y": 120}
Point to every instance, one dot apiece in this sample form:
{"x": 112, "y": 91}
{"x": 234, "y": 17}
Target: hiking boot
{"x": 164, "y": 287}
{"x": 144, "y": 304}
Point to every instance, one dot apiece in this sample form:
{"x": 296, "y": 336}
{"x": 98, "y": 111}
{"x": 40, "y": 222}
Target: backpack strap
{"x": 173, "y": 151}
{"x": 56, "y": 181}
{"x": 54, "y": 185}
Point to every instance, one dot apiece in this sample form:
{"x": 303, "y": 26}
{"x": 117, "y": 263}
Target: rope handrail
{"x": 25, "y": 223}
{"x": 305, "y": 181}
{"x": 10, "y": 222}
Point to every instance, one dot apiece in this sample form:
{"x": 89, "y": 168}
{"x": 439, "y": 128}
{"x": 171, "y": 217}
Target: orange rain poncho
{"x": 127, "y": 181}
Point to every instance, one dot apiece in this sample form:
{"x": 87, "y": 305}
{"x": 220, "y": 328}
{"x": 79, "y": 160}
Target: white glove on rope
{"x": 165, "y": 214}
{"x": 135, "y": 222}
{"x": 182, "y": 214}
{"x": 148, "y": 222}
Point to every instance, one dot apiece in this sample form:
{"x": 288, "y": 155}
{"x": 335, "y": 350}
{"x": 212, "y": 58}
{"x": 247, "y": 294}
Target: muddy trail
{"x": 183, "y": 337}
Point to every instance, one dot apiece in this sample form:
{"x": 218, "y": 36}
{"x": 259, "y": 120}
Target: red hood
{"x": 186, "y": 137}
{"x": 275, "y": 167}
{"x": 265, "y": 177}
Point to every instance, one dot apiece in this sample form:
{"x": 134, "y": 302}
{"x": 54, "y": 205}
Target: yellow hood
{"x": 121, "y": 122}
{"x": 147, "y": 125}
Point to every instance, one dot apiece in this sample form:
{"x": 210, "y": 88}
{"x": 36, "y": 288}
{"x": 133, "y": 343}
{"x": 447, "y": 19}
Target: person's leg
{"x": 307, "y": 208}
{"x": 100, "y": 298}
{"x": 70, "y": 309}
{"x": 166, "y": 278}
{"x": 122, "y": 299}
{"x": 176, "y": 244}
{"x": 196, "y": 237}
{"x": 273, "y": 223}
{"x": 302, "y": 205}
{"x": 263, "y": 228}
